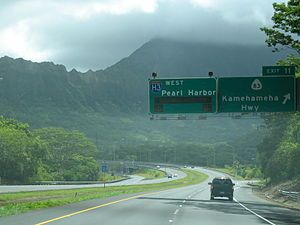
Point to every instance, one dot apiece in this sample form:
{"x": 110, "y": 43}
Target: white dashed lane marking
{"x": 176, "y": 211}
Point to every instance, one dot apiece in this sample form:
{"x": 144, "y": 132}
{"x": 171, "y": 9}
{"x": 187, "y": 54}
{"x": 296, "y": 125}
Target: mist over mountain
{"x": 123, "y": 86}
{"x": 110, "y": 105}
{"x": 190, "y": 59}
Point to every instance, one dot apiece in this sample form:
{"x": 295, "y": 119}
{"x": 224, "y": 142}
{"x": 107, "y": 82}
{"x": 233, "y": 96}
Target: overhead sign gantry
{"x": 226, "y": 94}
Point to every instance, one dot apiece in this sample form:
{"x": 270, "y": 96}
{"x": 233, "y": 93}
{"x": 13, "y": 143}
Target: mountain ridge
{"x": 111, "y": 105}
{"x": 123, "y": 86}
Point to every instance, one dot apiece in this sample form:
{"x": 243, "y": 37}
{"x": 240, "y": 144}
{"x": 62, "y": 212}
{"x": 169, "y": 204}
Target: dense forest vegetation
{"x": 30, "y": 155}
{"x": 46, "y": 95}
{"x": 279, "y": 153}
{"x": 44, "y": 154}
{"x": 109, "y": 108}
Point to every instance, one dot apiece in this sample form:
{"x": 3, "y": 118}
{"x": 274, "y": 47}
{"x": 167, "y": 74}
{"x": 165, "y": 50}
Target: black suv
{"x": 221, "y": 187}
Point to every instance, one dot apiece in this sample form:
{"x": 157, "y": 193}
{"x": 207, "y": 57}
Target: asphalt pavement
{"x": 182, "y": 206}
{"x": 133, "y": 180}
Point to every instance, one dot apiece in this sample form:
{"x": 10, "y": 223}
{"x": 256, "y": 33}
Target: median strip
{"x": 16, "y": 203}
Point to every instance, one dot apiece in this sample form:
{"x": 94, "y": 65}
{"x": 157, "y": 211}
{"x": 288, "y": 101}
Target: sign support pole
{"x": 217, "y": 95}
{"x": 104, "y": 181}
{"x": 298, "y": 94}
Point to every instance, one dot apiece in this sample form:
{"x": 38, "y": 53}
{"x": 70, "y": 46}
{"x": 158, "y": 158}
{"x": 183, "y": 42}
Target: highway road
{"x": 134, "y": 179}
{"x": 182, "y": 206}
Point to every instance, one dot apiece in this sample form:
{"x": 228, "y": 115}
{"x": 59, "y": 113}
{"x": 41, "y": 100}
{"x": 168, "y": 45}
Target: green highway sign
{"x": 182, "y": 95}
{"x": 278, "y": 70}
{"x": 104, "y": 168}
{"x": 256, "y": 94}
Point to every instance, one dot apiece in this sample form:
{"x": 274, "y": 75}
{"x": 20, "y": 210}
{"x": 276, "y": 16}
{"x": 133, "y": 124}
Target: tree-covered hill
{"x": 123, "y": 86}
{"x": 110, "y": 106}
{"x": 188, "y": 59}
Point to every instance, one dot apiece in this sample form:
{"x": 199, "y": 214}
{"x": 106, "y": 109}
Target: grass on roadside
{"x": 150, "y": 174}
{"x": 228, "y": 171}
{"x": 242, "y": 172}
{"x": 15, "y": 203}
{"x": 109, "y": 177}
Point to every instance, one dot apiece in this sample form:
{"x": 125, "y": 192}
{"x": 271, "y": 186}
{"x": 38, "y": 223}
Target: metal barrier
{"x": 291, "y": 194}
{"x": 77, "y": 182}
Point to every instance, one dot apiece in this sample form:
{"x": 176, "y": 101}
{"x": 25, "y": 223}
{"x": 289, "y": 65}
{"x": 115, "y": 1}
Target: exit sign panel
{"x": 278, "y": 70}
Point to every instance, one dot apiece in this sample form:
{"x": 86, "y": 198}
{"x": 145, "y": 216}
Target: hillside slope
{"x": 110, "y": 105}
{"x": 123, "y": 86}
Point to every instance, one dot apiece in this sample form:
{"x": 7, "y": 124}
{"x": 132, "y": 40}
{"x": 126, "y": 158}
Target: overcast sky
{"x": 94, "y": 34}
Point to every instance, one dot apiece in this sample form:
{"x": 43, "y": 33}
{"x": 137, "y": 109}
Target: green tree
{"x": 70, "y": 155}
{"x": 20, "y": 152}
{"x": 275, "y": 125}
{"x": 14, "y": 124}
{"x": 286, "y": 28}
{"x": 82, "y": 168}
{"x": 290, "y": 147}
{"x": 279, "y": 152}
{"x": 291, "y": 61}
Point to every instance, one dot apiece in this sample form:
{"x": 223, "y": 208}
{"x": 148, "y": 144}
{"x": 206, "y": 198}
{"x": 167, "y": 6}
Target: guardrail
{"x": 291, "y": 194}
{"x": 77, "y": 182}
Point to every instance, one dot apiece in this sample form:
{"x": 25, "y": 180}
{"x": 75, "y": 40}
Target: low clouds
{"x": 95, "y": 34}
{"x": 86, "y": 10}
{"x": 18, "y": 40}
{"x": 209, "y": 4}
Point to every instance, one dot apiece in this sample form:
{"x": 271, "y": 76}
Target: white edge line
{"x": 254, "y": 213}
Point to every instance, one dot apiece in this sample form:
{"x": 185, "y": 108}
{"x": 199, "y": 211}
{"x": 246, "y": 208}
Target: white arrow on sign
{"x": 286, "y": 97}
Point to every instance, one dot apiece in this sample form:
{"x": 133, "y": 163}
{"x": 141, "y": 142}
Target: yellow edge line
{"x": 95, "y": 207}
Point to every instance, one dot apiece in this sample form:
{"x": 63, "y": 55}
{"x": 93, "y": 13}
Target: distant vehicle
{"x": 221, "y": 187}
{"x": 175, "y": 175}
{"x": 169, "y": 176}
{"x": 185, "y": 167}
{"x": 192, "y": 167}
{"x": 158, "y": 166}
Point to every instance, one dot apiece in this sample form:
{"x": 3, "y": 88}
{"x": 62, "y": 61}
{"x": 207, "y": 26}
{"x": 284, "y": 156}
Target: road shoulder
{"x": 274, "y": 194}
